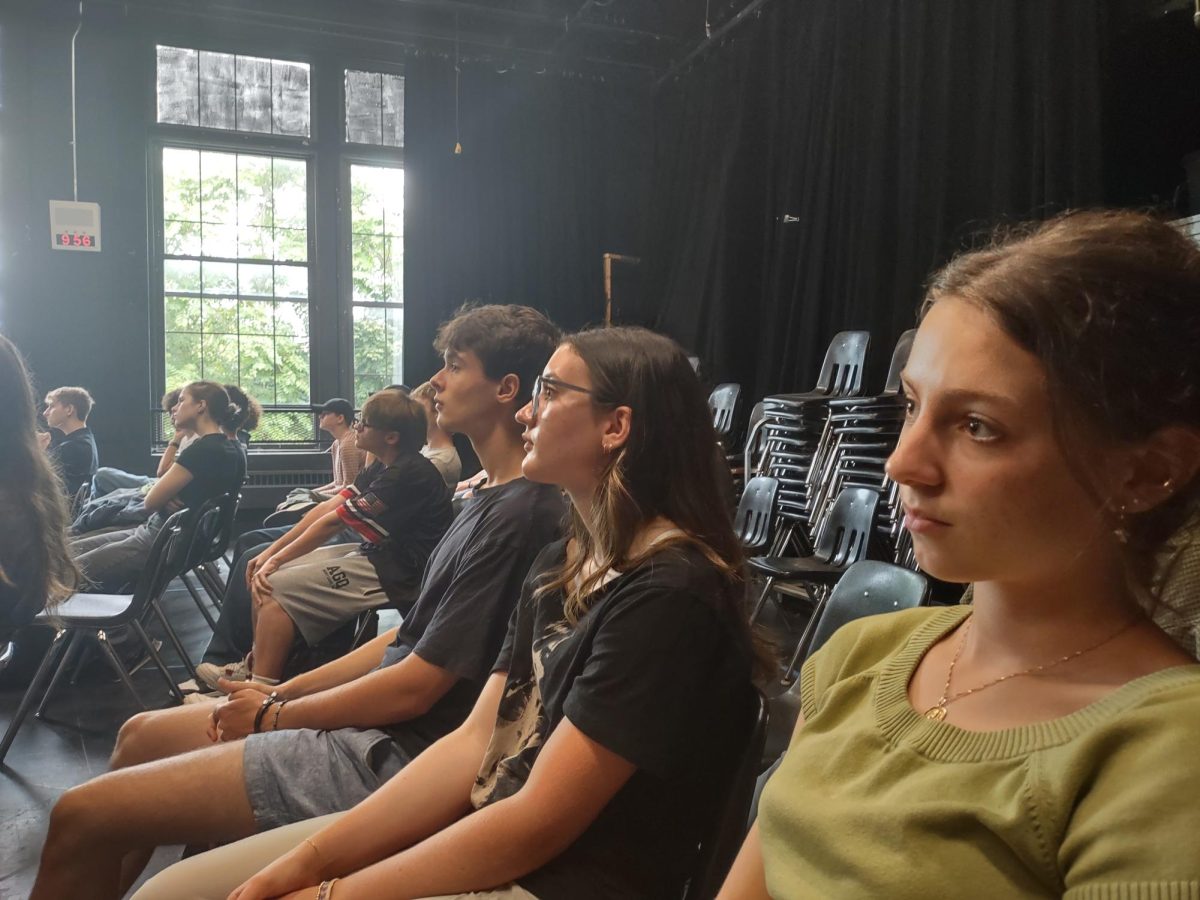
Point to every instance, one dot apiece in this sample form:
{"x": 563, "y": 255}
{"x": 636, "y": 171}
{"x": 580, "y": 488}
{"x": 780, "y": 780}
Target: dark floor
{"x": 73, "y": 742}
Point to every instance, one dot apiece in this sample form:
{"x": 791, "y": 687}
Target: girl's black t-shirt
{"x": 655, "y": 671}
{"x": 218, "y": 466}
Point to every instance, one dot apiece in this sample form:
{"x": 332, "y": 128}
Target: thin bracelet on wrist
{"x": 278, "y": 709}
{"x": 262, "y": 710}
{"x": 325, "y": 891}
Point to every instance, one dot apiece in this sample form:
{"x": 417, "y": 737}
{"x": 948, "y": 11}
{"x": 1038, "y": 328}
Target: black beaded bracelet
{"x": 262, "y": 710}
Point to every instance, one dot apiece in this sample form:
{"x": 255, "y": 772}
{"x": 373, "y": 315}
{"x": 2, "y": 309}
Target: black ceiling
{"x": 637, "y": 35}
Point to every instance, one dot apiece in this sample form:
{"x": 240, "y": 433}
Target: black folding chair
{"x": 868, "y": 588}
{"x": 794, "y": 436}
{"x": 719, "y": 847}
{"x": 205, "y": 564}
{"x": 842, "y": 542}
{"x": 752, "y": 447}
{"x": 85, "y": 615}
{"x": 200, "y": 538}
{"x": 723, "y": 402}
{"x": 753, "y": 519}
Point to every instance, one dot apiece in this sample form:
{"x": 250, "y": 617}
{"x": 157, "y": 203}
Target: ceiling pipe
{"x": 396, "y": 35}
{"x": 514, "y": 15}
{"x": 748, "y": 10}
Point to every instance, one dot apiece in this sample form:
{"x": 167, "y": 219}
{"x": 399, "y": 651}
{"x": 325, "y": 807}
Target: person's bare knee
{"x": 194, "y": 798}
{"x": 157, "y": 734}
{"x": 132, "y": 741}
{"x": 77, "y": 822}
{"x": 78, "y": 857}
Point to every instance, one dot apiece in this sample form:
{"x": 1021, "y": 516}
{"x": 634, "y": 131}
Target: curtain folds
{"x": 551, "y": 176}
{"x": 811, "y": 172}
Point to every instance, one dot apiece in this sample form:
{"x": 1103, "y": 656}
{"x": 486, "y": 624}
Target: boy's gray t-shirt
{"x": 469, "y": 590}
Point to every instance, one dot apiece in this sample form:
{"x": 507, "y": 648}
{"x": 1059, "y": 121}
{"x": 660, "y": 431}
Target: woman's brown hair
{"x": 670, "y": 466}
{"x": 249, "y": 410}
{"x": 1109, "y": 303}
{"x": 31, "y": 489}
{"x": 224, "y": 413}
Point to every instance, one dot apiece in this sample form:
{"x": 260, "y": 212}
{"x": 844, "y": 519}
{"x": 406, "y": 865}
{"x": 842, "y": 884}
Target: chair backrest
{"x": 847, "y": 531}
{"x": 868, "y": 588}
{"x": 201, "y": 531}
{"x": 752, "y": 521}
{"x": 217, "y": 542}
{"x": 899, "y": 358}
{"x": 720, "y": 845}
{"x": 842, "y": 369}
{"x": 752, "y": 446}
{"x": 723, "y": 402}
{"x": 167, "y": 555}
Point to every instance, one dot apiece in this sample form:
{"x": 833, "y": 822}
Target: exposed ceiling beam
{"x": 748, "y": 10}
{"x": 572, "y": 21}
{"x": 433, "y": 28}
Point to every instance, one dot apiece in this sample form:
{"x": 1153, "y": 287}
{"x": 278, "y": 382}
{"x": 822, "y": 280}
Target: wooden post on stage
{"x": 608, "y": 261}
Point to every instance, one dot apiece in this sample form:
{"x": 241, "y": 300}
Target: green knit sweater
{"x": 873, "y": 800}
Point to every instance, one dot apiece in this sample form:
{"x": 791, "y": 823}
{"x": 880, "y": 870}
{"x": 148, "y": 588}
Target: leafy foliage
{"x": 236, "y": 308}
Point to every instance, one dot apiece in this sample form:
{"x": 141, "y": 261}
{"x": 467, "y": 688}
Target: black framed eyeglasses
{"x": 542, "y": 380}
{"x": 360, "y": 423}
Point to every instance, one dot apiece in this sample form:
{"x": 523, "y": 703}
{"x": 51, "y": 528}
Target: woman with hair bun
{"x": 597, "y": 753}
{"x": 210, "y": 466}
{"x": 249, "y": 412}
{"x": 1041, "y": 740}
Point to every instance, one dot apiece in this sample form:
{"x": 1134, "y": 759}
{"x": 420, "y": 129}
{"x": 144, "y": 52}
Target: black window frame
{"x": 328, "y": 156}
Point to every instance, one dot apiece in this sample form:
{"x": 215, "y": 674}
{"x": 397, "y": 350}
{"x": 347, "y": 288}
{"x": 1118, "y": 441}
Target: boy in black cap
{"x": 337, "y": 420}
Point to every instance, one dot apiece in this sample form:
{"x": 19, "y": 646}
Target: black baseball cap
{"x": 338, "y": 406}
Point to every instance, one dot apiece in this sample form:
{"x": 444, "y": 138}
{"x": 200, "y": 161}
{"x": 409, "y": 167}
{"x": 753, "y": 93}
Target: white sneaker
{"x": 209, "y": 673}
{"x": 191, "y": 699}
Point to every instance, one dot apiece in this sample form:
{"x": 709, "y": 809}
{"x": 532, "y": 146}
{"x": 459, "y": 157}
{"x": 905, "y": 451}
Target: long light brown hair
{"x": 670, "y": 467}
{"x": 34, "y": 491}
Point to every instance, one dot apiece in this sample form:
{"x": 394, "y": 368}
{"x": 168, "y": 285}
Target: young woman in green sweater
{"x": 1042, "y": 741}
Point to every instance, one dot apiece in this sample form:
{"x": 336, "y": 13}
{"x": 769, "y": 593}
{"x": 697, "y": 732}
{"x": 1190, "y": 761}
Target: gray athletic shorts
{"x": 326, "y": 588}
{"x": 298, "y": 774}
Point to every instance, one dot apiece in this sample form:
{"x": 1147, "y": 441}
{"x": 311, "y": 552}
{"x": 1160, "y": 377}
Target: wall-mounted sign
{"x": 75, "y": 226}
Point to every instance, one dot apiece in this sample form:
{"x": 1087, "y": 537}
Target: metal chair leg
{"x": 762, "y": 599}
{"x": 115, "y": 660}
{"x": 806, "y": 636}
{"x": 158, "y": 660}
{"x": 85, "y": 657}
{"x": 187, "y": 583}
{"x": 173, "y": 637}
{"x": 71, "y": 645}
{"x": 44, "y": 670}
{"x": 371, "y": 615}
{"x": 210, "y": 577}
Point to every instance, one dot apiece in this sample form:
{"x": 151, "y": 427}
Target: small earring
{"x": 1169, "y": 484}
{"x": 1121, "y": 532}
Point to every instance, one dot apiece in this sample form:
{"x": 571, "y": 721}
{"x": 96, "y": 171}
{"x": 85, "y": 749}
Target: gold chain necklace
{"x": 937, "y": 712}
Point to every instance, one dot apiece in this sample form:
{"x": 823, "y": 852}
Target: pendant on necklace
{"x": 935, "y": 713}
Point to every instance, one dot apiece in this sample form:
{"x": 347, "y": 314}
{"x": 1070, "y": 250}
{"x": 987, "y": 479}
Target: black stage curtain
{"x": 554, "y": 172}
{"x": 812, "y": 171}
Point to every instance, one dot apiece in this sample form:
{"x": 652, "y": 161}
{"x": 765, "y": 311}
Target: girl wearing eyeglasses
{"x": 599, "y": 750}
